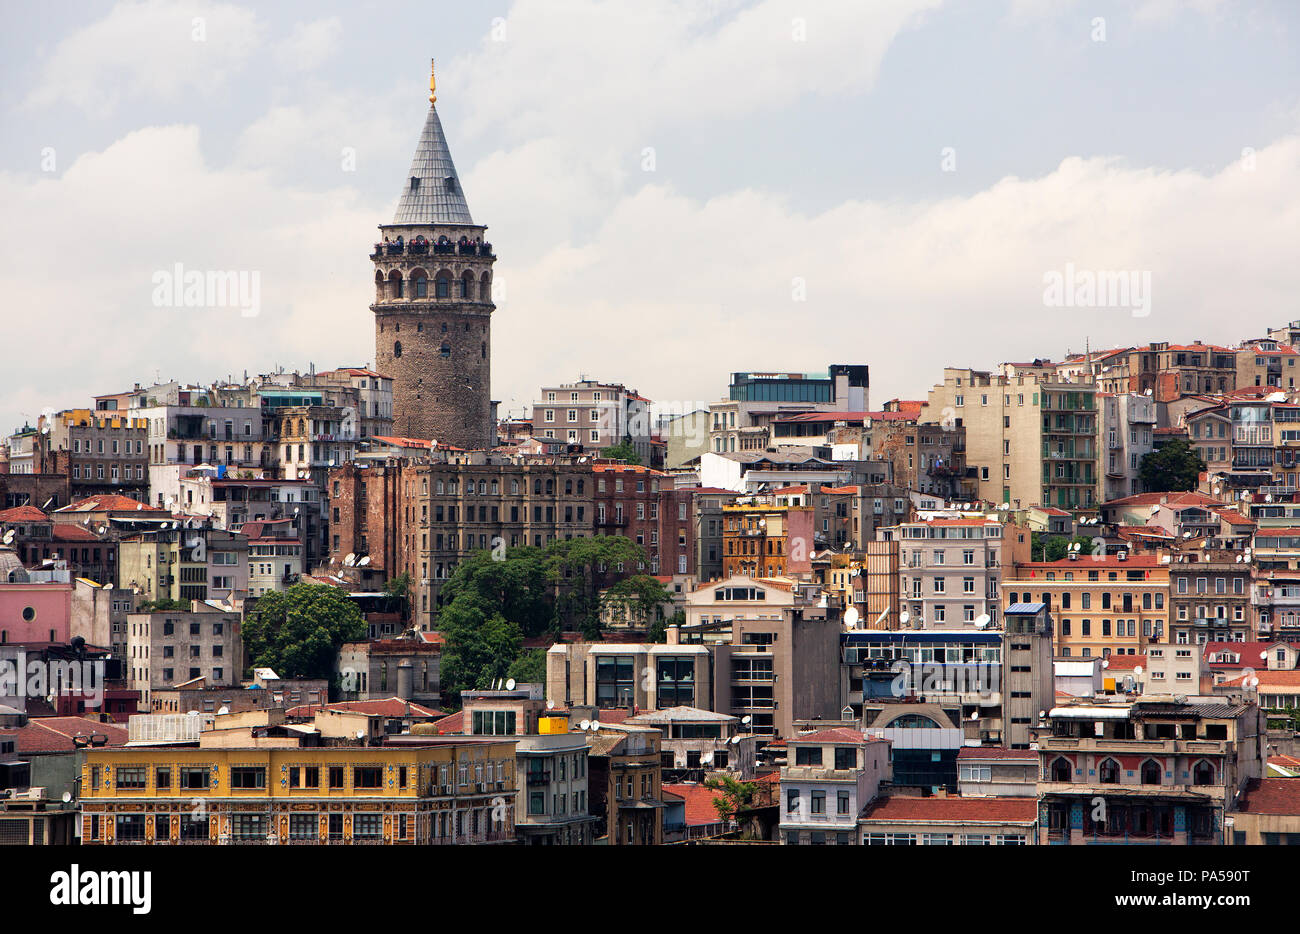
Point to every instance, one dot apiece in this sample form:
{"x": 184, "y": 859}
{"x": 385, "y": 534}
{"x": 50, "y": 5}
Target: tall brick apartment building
{"x": 423, "y": 518}
{"x": 644, "y": 505}
{"x": 433, "y": 303}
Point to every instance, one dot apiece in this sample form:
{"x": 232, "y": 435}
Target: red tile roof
{"x": 23, "y": 514}
{"x": 953, "y": 810}
{"x": 453, "y": 724}
{"x": 386, "y": 707}
{"x": 54, "y": 734}
{"x": 1271, "y": 796}
{"x": 699, "y": 803}
{"x": 110, "y": 502}
{"x": 1124, "y": 662}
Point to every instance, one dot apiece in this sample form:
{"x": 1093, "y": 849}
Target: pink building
{"x": 35, "y": 612}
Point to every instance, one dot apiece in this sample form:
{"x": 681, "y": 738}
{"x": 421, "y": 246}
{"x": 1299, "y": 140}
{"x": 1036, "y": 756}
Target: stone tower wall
{"x": 440, "y": 394}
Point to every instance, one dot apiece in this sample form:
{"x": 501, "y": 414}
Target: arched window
{"x": 1108, "y": 772}
{"x": 395, "y": 289}
{"x": 1062, "y": 770}
{"x": 466, "y": 285}
{"x": 1151, "y": 772}
{"x": 379, "y": 286}
{"x": 397, "y": 349}
{"x": 444, "y": 350}
{"x": 912, "y": 722}
{"x": 443, "y": 283}
{"x": 421, "y": 281}
{"x": 484, "y": 288}
{"x": 1203, "y": 773}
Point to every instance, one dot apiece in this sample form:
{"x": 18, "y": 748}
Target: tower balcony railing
{"x": 443, "y": 245}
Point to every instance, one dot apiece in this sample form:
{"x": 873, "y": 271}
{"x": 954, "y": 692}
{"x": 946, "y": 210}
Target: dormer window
{"x": 415, "y": 183}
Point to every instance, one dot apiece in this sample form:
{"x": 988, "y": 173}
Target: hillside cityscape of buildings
{"x": 1054, "y": 602}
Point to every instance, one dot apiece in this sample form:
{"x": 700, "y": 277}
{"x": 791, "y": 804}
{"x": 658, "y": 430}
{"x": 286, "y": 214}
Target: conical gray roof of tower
{"x": 432, "y": 193}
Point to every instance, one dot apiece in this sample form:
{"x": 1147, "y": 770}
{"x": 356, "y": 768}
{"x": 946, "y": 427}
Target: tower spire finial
{"x": 433, "y": 85}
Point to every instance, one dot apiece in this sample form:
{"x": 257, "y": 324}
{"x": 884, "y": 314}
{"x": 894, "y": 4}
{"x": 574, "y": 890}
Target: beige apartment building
{"x": 594, "y": 415}
{"x": 1102, "y": 605}
{"x": 950, "y": 570}
{"x": 1030, "y": 436}
{"x": 170, "y": 648}
{"x": 775, "y": 645}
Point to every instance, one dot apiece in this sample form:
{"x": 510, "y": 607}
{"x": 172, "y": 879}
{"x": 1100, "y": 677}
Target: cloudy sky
{"x": 676, "y": 190}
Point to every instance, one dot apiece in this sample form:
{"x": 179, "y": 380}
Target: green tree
{"x": 480, "y": 646}
{"x": 494, "y": 600}
{"x": 398, "y": 590}
{"x": 732, "y": 796}
{"x": 298, "y": 632}
{"x": 1175, "y": 467}
{"x": 529, "y": 668}
{"x": 624, "y": 451}
{"x": 164, "y": 605}
{"x": 639, "y": 597}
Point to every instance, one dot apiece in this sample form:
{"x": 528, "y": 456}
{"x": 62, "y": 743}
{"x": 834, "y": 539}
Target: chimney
{"x": 405, "y": 679}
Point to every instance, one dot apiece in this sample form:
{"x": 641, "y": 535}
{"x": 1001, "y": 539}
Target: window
{"x": 195, "y": 778}
{"x": 247, "y": 777}
{"x": 132, "y": 777}
{"x": 808, "y": 755}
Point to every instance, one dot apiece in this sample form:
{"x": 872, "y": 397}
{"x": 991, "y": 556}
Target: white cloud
{"x": 309, "y": 45}
{"x": 149, "y": 49}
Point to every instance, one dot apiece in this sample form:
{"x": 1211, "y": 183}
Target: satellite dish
{"x": 584, "y": 725}
{"x": 1105, "y": 663}
{"x": 903, "y": 617}
{"x": 1155, "y": 509}
{"x": 974, "y": 714}
{"x": 851, "y": 616}
{"x": 510, "y": 685}
{"x": 982, "y": 620}
{"x": 1264, "y": 654}
{"x": 108, "y": 586}
{"x": 747, "y": 719}
{"x": 349, "y": 560}
{"x": 735, "y": 740}
{"x": 363, "y": 561}
{"x": 194, "y": 713}
{"x": 1137, "y": 669}
{"x": 361, "y": 734}
{"x": 9, "y": 537}
{"x": 595, "y": 725}
{"x": 67, "y": 797}
{"x": 550, "y": 705}
{"x": 707, "y": 758}
{"x": 223, "y": 710}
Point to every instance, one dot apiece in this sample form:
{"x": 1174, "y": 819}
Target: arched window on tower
{"x": 443, "y": 285}
{"x": 397, "y": 349}
{"x": 484, "y": 288}
{"x": 467, "y": 286}
{"x": 445, "y": 350}
{"x": 420, "y": 283}
{"x": 395, "y": 284}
